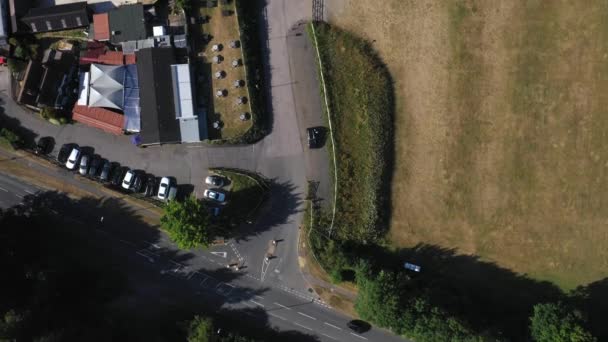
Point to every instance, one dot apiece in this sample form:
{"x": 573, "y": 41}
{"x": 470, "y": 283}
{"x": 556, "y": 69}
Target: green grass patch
{"x": 245, "y": 193}
{"x": 360, "y": 96}
{"x": 77, "y": 34}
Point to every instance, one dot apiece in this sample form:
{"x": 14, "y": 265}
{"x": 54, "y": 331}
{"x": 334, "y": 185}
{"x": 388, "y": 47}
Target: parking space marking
{"x": 29, "y": 192}
{"x": 333, "y": 326}
{"x": 305, "y": 315}
{"x": 359, "y": 336}
{"x": 277, "y": 316}
{"x": 281, "y": 305}
{"x": 3, "y": 189}
{"x": 303, "y": 326}
{"x": 333, "y": 338}
{"x": 256, "y": 303}
{"x": 220, "y": 289}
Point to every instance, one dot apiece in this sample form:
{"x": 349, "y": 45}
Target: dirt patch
{"x": 500, "y": 129}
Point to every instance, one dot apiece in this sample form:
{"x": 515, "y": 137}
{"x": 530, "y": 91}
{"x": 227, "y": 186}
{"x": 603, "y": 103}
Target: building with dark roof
{"x": 48, "y": 83}
{"x": 158, "y": 121}
{"x": 61, "y": 17}
{"x": 127, "y": 23}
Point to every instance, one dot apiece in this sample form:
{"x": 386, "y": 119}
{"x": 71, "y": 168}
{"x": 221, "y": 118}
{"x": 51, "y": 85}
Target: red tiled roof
{"x": 101, "y": 26}
{"x": 130, "y": 59}
{"x": 100, "y": 118}
{"x": 112, "y": 58}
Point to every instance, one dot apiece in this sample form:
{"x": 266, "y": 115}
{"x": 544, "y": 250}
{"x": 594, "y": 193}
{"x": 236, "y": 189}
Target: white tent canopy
{"x": 106, "y": 87}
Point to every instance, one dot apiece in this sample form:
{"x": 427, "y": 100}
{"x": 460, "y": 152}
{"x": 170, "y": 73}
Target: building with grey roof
{"x": 127, "y": 23}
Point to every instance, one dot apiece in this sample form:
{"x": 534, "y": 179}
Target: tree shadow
{"x": 486, "y": 296}
{"x": 283, "y": 201}
{"x": 592, "y": 300}
{"x": 28, "y": 136}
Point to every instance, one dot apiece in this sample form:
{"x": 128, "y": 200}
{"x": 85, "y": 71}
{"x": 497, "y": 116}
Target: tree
{"x": 555, "y": 322}
{"x": 200, "y": 329}
{"x": 187, "y": 223}
{"x": 15, "y": 65}
{"x": 183, "y": 4}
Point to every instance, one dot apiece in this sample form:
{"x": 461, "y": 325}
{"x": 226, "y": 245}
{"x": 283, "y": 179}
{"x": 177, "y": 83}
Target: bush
{"x": 11, "y": 138}
{"x": 187, "y": 223}
{"x": 16, "y": 65}
{"x": 555, "y": 322}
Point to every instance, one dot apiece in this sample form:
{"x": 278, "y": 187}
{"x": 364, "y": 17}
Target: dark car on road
{"x": 94, "y": 168}
{"x": 105, "y": 171}
{"x": 150, "y": 187}
{"x": 358, "y": 326}
{"x": 44, "y": 146}
{"x": 64, "y": 152}
{"x": 315, "y": 137}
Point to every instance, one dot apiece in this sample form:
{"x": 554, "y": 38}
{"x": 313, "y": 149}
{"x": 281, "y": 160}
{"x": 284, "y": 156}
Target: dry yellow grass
{"x": 500, "y": 128}
{"x": 225, "y": 29}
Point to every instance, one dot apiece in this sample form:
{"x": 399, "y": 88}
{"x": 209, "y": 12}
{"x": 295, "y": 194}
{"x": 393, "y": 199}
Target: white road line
{"x": 249, "y": 305}
{"x": 333, "y": 326}
{"x": 3, "y": 189}
{"x": 303, "y": 326}
{"x": 277, "y": 316}
{"x": 359, "y": 336}
{"x": 281, "y": 305}
{"x": 54, "y": 211}
{"x": 29, "y": 192}
{"x": 305, "y": 315}
{"x": 18, "y": 195}
{"x": 333, "y": 338}
{"x": 259, "y": 297}
{"x": 256, "y": 303}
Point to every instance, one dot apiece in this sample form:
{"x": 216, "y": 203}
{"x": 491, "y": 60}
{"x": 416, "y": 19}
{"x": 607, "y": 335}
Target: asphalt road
{"x": 198, "y": 277}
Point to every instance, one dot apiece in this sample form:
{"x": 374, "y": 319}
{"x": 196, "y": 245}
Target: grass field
{"x": 359, "y": 93}
{"x": 501, "y": 128}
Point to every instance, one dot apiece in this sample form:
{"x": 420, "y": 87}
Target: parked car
{"x": 128, "y": 179}
{"x": 358, "y": 326}
{"x": 214, "y": 180}
{"x": 215, "y": 195}
{"x": 73, "y": 158}
{"x": 137, "y": 183}
{"x": 314, "y": 137}
{"x": 105, "y": 171}
{"x": 150, "y": 185}
{"x": 94, "y": 168}
{"x": 64, "y": 153}
{"x": 163, "y": 188}
{"x": 44, "y": 145}
{"x": 172, "y": 193}
{"x": 118, "y": 175}
{"x": 84, "y": 165}
{"x": 214, "y": 211}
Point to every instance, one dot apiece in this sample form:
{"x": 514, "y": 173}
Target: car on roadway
{"x": 94, "y": 168}
{"x": 84, "y": 165}
{"x": 150, "y": 185}
{"x": 163, "y": 188}
{"x": 314, "y": 137}
{"x": 358, "y": 326}
{"x": 43, "y": 146}
{"x": 73, "y": 158}
{"x": 215, "y": 195}
{"x": 105, "y": 171}
{"x": 215, "y": 181}
{"x": 127, "y": 181}
{"x": 64, "y": 153}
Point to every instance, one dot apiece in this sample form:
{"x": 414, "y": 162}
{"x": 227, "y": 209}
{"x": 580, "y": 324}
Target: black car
{"x": 94, "y": 168}
{"x": 359, "y": 326}
{"x": 314, "y": 137}
{"x": 64, "y": 153}
{"x": 150, "y": 187}
{"x": 118, "y": 175}
{"x": 105, "y": 171}
{"x": 44, "y": 145}
{"x": 137, "y": 183}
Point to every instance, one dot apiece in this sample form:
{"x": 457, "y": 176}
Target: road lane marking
{"x": 256, "y": 303}
{"x": 333, "y": 326}
{"x": 18, "y": 195}
{"x": 281, "y": 305}
{"x": 277, "y": 316}
{"x": 333, "y": 338}
{"x": 29, "y": 192}
{"x": 305, "y": 315}
{"x": 258, "y": 297}
{"x": 303, "y": 326}
{"x": 359, "y": 336}
{"x": 3, "y": 189}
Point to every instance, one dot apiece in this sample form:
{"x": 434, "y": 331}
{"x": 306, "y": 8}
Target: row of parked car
{"x": 95, "y": 167}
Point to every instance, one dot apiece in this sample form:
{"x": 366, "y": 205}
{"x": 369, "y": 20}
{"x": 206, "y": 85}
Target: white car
{"x": 215, "y": 195}
{"x": 73, "y": 158}
{"x": 163, "y": 188}
{"x": 215, "y": 181}
{"x": 128, "y": 180}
